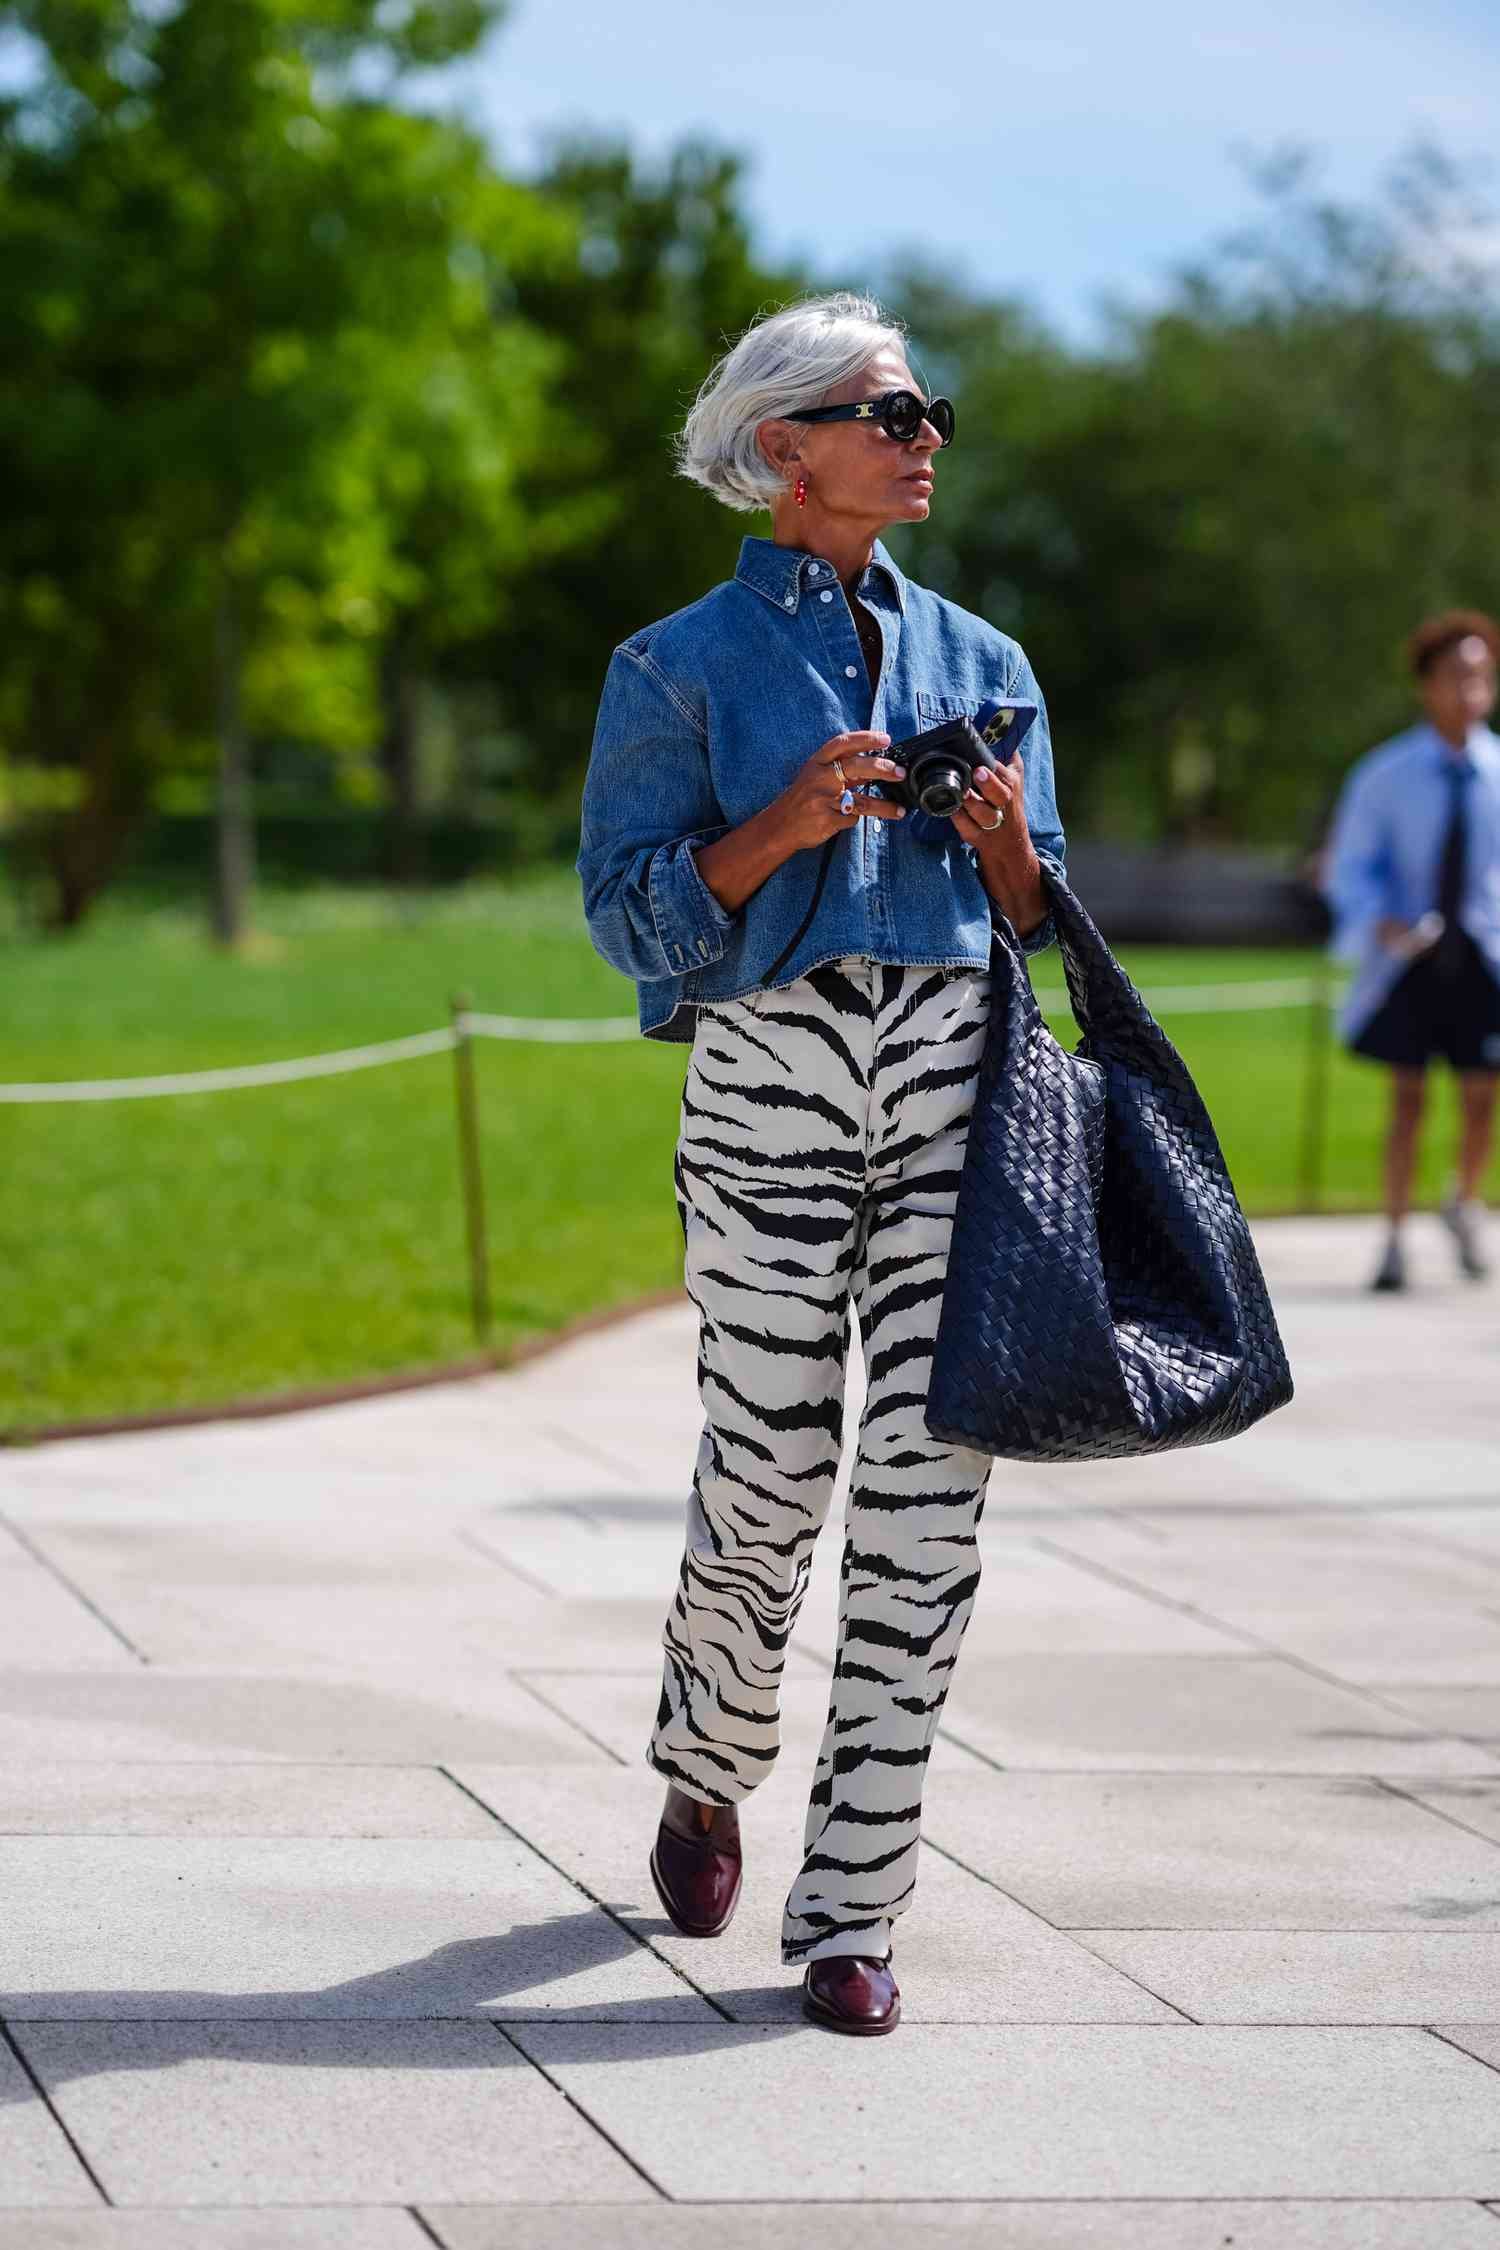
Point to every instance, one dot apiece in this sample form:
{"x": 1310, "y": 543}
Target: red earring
{"x": 799, "y": 492}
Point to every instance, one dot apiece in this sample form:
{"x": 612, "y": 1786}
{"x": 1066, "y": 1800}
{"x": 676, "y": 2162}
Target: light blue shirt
{"x": 708, "y": 714}
{"x": 1385, "y": 853}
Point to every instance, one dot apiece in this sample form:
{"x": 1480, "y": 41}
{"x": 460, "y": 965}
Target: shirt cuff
{"x": 690, "y": 921}
{"x": 1041, "y": 937}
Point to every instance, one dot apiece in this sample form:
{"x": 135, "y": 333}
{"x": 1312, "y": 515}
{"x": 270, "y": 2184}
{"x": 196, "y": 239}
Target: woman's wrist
{"x": 735, "y": 865}
{"x": 1019, "y": 893}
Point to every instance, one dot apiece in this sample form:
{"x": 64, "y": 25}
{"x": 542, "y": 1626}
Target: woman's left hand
{"x": 1007, "y": 858}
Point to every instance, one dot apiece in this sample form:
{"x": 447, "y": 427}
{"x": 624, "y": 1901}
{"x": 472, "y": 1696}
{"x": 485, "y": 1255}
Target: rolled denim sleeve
{"x": 1357, "y": 871}
{"x": 1042, "y": 818}
{"x": 648, "y": 803}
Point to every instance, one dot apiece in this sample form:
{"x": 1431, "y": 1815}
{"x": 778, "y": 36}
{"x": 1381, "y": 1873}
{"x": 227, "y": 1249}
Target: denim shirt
{"x": 1385, "y": 853}
{"x": 708, "y": 714}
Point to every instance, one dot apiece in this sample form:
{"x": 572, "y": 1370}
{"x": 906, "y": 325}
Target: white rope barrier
{"x": 1214, "y": 999}
{"x": 224, "y": 1081}
{"x": 1285, "y": 992}
{"x": 550, "y": 1027}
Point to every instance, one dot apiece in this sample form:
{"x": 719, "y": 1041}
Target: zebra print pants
{"x": 820, "y": 1142}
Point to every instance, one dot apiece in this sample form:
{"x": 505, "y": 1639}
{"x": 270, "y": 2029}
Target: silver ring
{"x": 989, "y": 826}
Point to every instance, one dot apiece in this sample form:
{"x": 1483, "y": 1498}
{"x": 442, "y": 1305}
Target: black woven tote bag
{"x": 1103, "y": 1296}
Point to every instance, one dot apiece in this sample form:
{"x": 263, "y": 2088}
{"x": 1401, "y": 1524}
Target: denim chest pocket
{"x": 933, "y": 710}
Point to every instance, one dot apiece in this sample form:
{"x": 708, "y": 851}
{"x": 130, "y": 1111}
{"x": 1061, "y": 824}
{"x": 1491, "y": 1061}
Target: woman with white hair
{"x": 834, "y": 1004}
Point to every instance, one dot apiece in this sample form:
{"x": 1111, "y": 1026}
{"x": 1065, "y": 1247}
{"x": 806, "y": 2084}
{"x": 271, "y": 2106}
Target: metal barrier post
{"x": 471, "y": 1169}
{"x": 1315, "y": 1089}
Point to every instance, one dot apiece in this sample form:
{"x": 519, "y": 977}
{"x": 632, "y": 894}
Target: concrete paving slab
{"x": 1470, "y": 1713}
{"x": 1468, "y": 1804}
{"x": 1035, "y": 2110}
{"x": 1193, "y": 1713}
{"x": 1245, "y": 1483}
{"x": 48, "y": 1622}
{"x": 1472, "y": 1530}
{"x": 372, "y": 1461}
{"x": 1144, "y": 1794}
{"x": 1351, "y": 1466}
{"x": 579, "y": 1553}
{"x": 491, "y": 1622}
{"x": 1218, "y": 1851}
{"x": 1017, "y": 2225}
{"x": 1313, "y": 1976}
{"x": 1031, "y": 1597}
{"x": 320, "y": 2113}
{"x": 140, "y": 1550}
{"x": 1348, "y": 1598}
{"x": 221, "y": 1717}
{"x": 1288, "y": 1552}
{"x": 76, "y": 1798}
{"x": 372, "y": 2228}
{"x": 969, "y": 1954}
{"x": 37, "y": 2167}
{"x": 198, "y": 1927}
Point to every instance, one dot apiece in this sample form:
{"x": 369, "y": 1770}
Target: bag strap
{"x": 796, "y": 937}
{"x": 1100, "y": 994}
{"x": 1114, "y": 1019}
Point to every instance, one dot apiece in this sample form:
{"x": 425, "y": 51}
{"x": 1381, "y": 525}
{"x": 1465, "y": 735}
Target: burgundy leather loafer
{"x": 696, "y": 1863}
{"x": 851, "y": 1992}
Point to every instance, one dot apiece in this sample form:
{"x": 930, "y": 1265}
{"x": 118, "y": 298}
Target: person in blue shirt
{"x": 824, "y": 951}
{"x": 1412, "y": 875}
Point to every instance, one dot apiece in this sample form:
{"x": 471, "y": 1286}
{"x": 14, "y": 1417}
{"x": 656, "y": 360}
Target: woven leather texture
{"x": 1103, "y": 1295}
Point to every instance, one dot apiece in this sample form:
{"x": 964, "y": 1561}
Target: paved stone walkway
{"x": 324, "y": 1914}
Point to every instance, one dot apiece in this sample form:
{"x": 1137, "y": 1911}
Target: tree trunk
{"x": 399, "y": 688}
{"x": 234, "y": 869}
{"x": 82, "y": 850}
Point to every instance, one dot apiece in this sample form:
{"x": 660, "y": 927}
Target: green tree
{"x": 245, "y": 296}
{"x": 1214, "y": 533}
{"x": 663, "y": 279}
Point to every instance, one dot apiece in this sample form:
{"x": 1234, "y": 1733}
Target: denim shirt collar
{"x": 779, "y": 573}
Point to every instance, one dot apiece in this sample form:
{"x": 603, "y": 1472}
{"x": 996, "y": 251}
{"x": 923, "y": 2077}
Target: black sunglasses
{"x": 899, "y": 413}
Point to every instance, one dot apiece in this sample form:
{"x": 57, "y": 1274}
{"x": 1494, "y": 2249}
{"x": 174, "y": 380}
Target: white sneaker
{"x": 1391, "y": 1272}
{"x": 1465, "y": 1222}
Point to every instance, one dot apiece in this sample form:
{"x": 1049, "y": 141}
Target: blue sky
{"x": 1064, "y": 158}
{"x": 1052, "y": 155}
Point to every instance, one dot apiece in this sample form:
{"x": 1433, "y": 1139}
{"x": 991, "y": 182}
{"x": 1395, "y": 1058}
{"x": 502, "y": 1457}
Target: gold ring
{"x": 838, "y": 769}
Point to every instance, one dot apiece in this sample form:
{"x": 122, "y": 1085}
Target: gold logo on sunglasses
{"x": 865, "y": 413}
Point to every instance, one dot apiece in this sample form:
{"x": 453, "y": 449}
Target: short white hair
{"x": 791, "y": 359}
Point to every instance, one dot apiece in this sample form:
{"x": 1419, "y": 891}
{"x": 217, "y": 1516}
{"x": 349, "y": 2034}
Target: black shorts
{"x": 1428, "y": 1013}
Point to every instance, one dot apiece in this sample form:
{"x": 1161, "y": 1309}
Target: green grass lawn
{"x": 178, "y": 1252}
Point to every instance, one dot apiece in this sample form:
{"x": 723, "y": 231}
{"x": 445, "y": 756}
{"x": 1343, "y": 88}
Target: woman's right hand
{"x": 809, "y": 804}
{"x": 806, "y": 812}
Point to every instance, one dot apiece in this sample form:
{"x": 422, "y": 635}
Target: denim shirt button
{"x": 825, "y": 596}
{"x": 851, "y": 672}
{"x": 790, "y": 602}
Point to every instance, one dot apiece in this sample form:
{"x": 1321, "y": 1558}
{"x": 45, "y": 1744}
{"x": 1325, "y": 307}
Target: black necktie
{"x": 1450, "y": 949}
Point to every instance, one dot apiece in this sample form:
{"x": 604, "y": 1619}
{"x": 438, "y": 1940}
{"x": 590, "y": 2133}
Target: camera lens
{"x": 941, "y": 789}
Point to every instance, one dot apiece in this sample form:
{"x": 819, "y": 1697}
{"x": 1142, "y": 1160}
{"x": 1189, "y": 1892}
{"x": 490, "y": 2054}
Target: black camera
{"x": 941, "y": 763}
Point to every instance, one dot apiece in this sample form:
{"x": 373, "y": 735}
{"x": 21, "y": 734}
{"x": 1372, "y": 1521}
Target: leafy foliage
{"x": 331, "y": 451}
